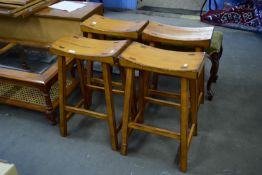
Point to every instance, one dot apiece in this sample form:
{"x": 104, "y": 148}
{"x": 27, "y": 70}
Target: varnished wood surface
{"x": 25, "y": 6}
{"x": 24, "y": 10}
{"x": 184, "y": 64}
{"x": 31, "y": 79}
{"x": 9, "y": 6}
{"x": 79, "y": 14}
{"x": 7, "y": 47}
{"x": 183, "y": 36}
{"x": 44, "y": 27}
{"x": 107, "y": 26}
{"x": 34, "y": 8}
{"x": 81, "y": 47}
{"x": 19, "y": 2}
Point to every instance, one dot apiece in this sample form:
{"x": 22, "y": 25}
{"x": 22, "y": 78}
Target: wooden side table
{"x": 34, "y": 90}
{"x": 46, "y": 26}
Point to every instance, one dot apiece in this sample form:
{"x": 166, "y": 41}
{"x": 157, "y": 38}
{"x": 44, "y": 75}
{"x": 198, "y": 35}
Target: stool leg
{"x": 194, "y": 103}
{"x": 89, "y": 73}
{"x": 154, "y": 75}
{"x": 123, "y": 76}
{"x": 62, "y": 94}
{"x": 127, "y": 108}
{"x": 133, "y": 101}
{"x": 201, "y": 79}
{"x": 81, "y": 75}
{"x": 184, "y": 124}
{"x": 88, "y": 81}
{"x": 202, "y": 84}
{"x": 110, "y": 105}
{"x": 143, "y": 90}
{"x": 133, "y": 95}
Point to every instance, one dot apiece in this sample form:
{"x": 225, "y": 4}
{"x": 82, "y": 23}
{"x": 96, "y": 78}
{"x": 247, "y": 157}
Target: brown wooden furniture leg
{"x": 50, "y": 114}
{"x": 82, "y": 79}
{"x": 154, "y": 76}
{"x": 144, "y": 86}
{"x": 89, "y": 91}
{"x": 194, "y": 105}
{"x": 62, "y": 94}
{"x": 201, "y": 80}
{"x": 127, "y": 98}
{"x": 184, "y": 125}
{"x": 214, "y": 58}
{"x": 90, "y": 67}
{"x": 110, "y": 105}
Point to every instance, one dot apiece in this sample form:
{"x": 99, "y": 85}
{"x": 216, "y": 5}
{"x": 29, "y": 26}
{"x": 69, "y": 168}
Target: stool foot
{"x": 195, "y": 133}
{"x": 124, "y": 150}
{"x": 63, "y": 132}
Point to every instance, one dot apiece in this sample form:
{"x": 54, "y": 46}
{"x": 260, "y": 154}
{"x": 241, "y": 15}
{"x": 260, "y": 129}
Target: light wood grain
{"x": 81, "y": 47}
{"x": 19, "y": 2}
{"x": 22, "y": 7}
{"x": 112, "y": 27}
{"x": 45, "y": 26}
{"x": 162, "y": 61}
{"x": 32, "y": 9}
{"x": 9, "y": 6}
{"x": 183, "y": 36}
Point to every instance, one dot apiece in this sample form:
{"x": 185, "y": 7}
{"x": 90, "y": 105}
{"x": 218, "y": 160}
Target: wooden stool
{"x": 94, "y": 50}
{"x": 185, "y": 65}
{"x": 195, "y": 39}
{"x": 100, "y": 27}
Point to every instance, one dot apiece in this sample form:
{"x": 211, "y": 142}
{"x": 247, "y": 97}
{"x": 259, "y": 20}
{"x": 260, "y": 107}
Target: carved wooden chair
{"x": 185, "y": 65}
{"x": 186, "y": 39}
{"x": 82, "y": 48}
